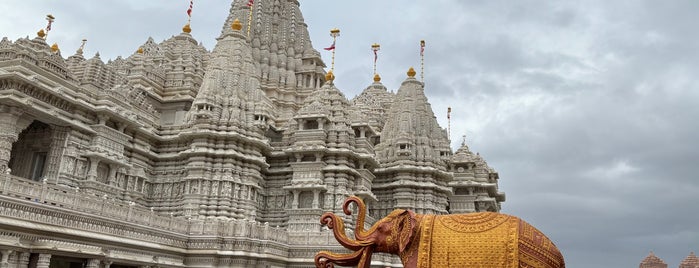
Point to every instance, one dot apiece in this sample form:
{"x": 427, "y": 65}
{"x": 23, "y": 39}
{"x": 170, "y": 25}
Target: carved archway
{"x": 30, "y": 153}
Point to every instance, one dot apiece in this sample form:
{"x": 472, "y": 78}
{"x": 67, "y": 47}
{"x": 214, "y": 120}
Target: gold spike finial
{"x": 377, "y": 78}
{"x": 187, "y": 28}
{"x": 236, "y": 25}
{"x": 41, "y": 33}
{"x": 54, "y": 47}
{"x": 139, "y": 50}
{"x": 411, "y": 72}
{"x": 329, "y": 76}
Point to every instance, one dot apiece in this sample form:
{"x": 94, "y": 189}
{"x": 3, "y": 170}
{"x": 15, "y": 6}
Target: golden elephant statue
{"x": 483, "y": 239}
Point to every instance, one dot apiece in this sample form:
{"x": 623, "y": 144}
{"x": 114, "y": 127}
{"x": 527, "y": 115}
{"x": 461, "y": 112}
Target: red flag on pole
{"x": 331, "y": 47}
{"x": 251, "y": 2}
{"x": 376, "y": 55}
{"x": 191, "y": 5}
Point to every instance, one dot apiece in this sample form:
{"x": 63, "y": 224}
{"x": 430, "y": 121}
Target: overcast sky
{"x": 588, "y": 109}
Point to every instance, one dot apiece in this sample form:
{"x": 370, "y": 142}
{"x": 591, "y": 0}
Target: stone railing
{"x": 27, "y": 193}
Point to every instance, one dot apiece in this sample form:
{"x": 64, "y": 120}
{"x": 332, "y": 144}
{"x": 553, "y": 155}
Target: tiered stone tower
{"x": 413, "y": 153}
{"x": 652, "y": 261}
{"x": 176, "y": 156}
{"x": 691, "y": 261}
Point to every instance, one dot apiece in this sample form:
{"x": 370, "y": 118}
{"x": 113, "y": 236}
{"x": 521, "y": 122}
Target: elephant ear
{"x": 406, "y": 227}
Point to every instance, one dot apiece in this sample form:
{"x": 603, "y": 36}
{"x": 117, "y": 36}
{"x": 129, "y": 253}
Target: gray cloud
{"x": 587, "y": 109}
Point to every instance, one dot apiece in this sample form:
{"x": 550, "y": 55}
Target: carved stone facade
{"x": 177, "y": 156}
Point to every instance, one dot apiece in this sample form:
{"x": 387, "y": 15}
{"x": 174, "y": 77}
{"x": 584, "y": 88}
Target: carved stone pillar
{"x": 316, "y": 194}
{"x": 4, "y": 261}
{"x": 44, "y": 261}
{"x": 23, "y": 260}
{"x": 8, "y": 133}
{"x": 111, "y": 179}
{"x": 58, "y": 146}
{"x": 107, "y": 264}
{"x": 92, "y": 171}
{"x": 93, "y": 263}
{"x": 295, "y": 202}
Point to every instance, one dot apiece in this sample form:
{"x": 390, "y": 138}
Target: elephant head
{"x": 392, "y": 234}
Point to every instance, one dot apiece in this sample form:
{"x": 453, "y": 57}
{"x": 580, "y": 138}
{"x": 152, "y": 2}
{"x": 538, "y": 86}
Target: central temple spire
{"x": 288, "y": 66}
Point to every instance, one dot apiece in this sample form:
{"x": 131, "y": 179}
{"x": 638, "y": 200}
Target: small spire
{"x": 463, "y": 141}
{"x": 54, "y": 48}
{"x": 377, "y": 78}
{"x": 411, "y": 72}
{"x": 82, "y": 46}
{"x": 236, "y": 25}
{"x": 139, "y": 50}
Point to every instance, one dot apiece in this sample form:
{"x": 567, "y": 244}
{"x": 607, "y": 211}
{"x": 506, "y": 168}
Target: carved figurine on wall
{"x": 483, "y": 239}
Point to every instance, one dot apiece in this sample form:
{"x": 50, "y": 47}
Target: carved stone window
{"x": 310, "y": 124}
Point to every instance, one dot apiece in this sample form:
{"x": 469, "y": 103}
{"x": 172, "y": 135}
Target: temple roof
{"x": 690, "y": 261}
{"x": 374, "y": 102}
{"x": 652, "y": 261}
{"x": 411, "y": 131}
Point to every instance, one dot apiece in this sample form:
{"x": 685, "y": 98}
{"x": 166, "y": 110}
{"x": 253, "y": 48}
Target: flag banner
{"x": 191, "y": 5}
{"x": 331, "y": 47}
{"x": 251, "y": 3}
{"x": 422, "y": 47}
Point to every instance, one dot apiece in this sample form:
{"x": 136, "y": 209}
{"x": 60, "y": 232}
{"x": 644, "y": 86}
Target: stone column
{"x": 23, "y": 260}
{"x": 111, "y": 179}
{"x": 92, "y": 171}
{"x": 295, "y": 202}
{"x": 93, "y": 263}
{"x": 8, "y": 133}
{"x": 44, "y": 261}
{"x": 4, "y": 262}
{"x": 58, "y": 146}
{"x": 107, "y": 264}
{"x": 316, "y": 194}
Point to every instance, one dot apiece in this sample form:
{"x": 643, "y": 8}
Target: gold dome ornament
{"x": 54, "y": 48}
{"x": 236, "y": 25}
{"x": 329, "y": 76}
{"x": 187, "y": 28}
{"x": 139, "y": 50}
{"x": 411, "y": 72}
{"x": 377, "y": 78}
{"x": 41, "y": 33}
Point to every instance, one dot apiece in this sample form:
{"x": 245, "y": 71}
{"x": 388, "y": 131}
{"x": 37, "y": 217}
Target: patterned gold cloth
{"x": 483, "y": 240}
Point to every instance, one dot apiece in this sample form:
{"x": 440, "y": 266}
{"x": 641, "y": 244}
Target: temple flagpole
{"x": 251, "y": 5}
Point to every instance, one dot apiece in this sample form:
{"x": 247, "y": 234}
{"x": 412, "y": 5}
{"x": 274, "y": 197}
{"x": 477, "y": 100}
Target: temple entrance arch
{"x": 30, "y": 153}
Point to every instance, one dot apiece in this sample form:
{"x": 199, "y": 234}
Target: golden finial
{"x": 236, "y": 25}
{"x": 139, "y": 50}
{"x": 411, "y": 72}
{"x": 41, "y": 33}
{"x": 187, "y": 28}
{"x": 377, "y": 78}
{"x": 329, "y": 76}
{"x": 54, "y": 47}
